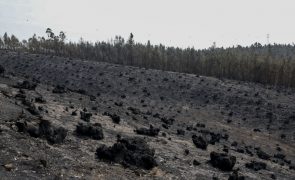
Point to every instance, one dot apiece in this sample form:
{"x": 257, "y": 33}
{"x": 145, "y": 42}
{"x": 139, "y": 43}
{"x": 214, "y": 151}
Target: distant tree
{"x": 62, "y": 36}
{"x": 119, "y": 43}
{"x": 14, "y": 42}
{"x": 6, "y": 40}
{"x": 130, "y": 54}
{"x": 33, "y": 44}
{"x": 24, "y": 43}
{"x": 1, "y": 43}
{"x": 131, "y": 40}
{"x": 49, "y": 33}
{"x": 266, "y": 64}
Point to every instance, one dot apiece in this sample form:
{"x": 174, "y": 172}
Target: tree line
{"x": 267, "y": 64}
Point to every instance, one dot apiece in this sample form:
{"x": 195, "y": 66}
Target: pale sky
{"x": 183, "y": 23}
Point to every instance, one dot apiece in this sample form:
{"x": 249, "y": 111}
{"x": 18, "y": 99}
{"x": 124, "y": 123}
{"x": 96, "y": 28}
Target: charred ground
{"x": 90, "y": 120}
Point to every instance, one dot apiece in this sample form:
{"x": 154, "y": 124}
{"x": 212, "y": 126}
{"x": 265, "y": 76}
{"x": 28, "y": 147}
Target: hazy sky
{"x": 181, "y": 23}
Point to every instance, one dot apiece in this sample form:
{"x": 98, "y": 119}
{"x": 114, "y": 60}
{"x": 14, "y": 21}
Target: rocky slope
{"x": 74, "y": 119}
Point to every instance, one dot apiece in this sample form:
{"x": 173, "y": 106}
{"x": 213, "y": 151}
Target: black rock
{"x": 200, "y": 142}
{"x": 116, "y": 119}
{"x": 129, "y": 152}
{"x": 222, "y": 161}
{"x": 186, "y": 152}
{"x": 256, "y": 166}
{"x": 149, "y": 132}
{"x": 89, "y": 130}
{"x": 74, "y": 113}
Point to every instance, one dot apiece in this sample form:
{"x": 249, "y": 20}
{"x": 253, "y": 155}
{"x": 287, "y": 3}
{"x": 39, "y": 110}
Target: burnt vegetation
{"x": 129, "y": 152}
{"x": 89, "y": 118}
{"x": 267, "y": 64}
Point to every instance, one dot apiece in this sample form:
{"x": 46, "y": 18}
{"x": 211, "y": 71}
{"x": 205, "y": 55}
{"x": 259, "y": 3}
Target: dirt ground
{"x": 249, "y": 121}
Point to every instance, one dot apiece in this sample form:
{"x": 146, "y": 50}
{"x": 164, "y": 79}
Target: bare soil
{"x": 251, "y": 122}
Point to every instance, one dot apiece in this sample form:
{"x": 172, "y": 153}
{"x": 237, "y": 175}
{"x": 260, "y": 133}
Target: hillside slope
{"x": 249, "y": 121}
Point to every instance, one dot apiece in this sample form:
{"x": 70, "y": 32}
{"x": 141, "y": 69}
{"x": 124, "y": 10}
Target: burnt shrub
{"x": 200, "y": 142}
{"x": 26, "y": 85}
{"x": 168, "y": 121}
{"x": 40, "y": 100}
{"x": 222, "y": 161}
{"x": 256, "y": 166}
{"x": 149, "y": 132}
{"x": 85, "y": 116}
{"x": 129, "y": 152}
{"x": 54, "y": 135}
{"x": 88, "y": 130}
{"x": 116, "y": 119}
{"x": 134, "y": 110}
{"x": 59, "y": 89}
{"x": 180, "y": 132}
{"x": 236, "y": 176}
{"x": 262, "y": 155}
{"x": 2, "y": 70}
